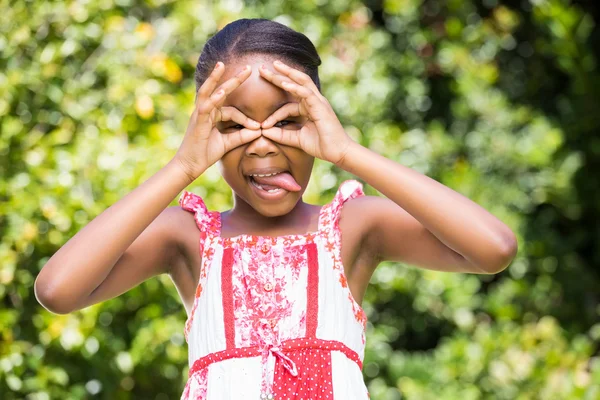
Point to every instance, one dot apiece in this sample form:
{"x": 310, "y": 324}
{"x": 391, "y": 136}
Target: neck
{"x": 242, "y": 218}
{"x": 246, "y": 212}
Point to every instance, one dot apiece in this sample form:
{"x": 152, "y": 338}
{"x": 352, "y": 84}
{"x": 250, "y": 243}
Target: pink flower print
{"x": 330, "y": 246}
{"x": 343, "y": 281}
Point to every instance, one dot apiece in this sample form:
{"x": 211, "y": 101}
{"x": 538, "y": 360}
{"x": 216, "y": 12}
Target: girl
{"x": 273, "y": 286}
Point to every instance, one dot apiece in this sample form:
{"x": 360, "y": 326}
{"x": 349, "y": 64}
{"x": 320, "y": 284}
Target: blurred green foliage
{"x": 496, "y": 99}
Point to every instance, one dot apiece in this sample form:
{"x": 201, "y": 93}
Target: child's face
{"x": 258, "y": 99}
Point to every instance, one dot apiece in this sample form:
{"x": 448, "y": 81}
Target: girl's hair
{"x": 258, "y": 36}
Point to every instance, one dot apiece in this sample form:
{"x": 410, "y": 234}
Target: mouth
{"x": 266, "y": 188}
{"x": 272, "y": 181}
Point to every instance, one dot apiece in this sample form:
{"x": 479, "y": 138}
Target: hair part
{"x": 246, "y": 37}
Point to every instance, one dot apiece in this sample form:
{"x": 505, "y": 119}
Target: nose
{"x": 262, "y": 147}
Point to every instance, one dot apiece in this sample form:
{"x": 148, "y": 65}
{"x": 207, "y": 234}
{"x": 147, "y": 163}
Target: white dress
{"x": 273, "y": 317}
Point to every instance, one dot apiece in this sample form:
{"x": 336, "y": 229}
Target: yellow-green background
{"x": 499, "y": 100}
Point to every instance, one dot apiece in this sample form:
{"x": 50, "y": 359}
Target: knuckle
{"x": 204, "y": 108}
{"x": 201, "y": 94}
{"x": 220, "y": 87}
{"x": 237, "y": 114}
{"x": 302, "y": 77}
{"x": 212, "y": 99}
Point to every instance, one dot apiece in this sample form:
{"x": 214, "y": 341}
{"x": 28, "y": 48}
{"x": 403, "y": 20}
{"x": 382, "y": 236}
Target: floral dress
{"x": 273, "y": 317}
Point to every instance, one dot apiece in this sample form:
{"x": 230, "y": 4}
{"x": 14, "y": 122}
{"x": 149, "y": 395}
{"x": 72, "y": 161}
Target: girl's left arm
{"x": 422, "y": 222}
{"x": 445, "y": 229}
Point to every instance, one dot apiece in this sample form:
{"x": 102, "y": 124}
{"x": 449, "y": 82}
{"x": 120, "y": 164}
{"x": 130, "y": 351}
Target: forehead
{"x": 255, "y": 95}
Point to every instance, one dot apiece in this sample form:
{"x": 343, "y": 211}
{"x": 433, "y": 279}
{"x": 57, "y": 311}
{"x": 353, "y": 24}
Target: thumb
{"x": 287, "y": 137}
{"x": 241, "y": 137}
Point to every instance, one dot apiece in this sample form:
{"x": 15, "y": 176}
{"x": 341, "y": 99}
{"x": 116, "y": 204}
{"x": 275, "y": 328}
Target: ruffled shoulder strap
{"x": 208, "y": 222}
{"x": 349, "y": 189}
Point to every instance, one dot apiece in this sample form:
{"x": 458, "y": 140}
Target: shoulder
{"x": 366, "y": 205}
{"x": 370, "y": 218}
{"x": 363, "y": 212}
{"x": 178, "y": 228}
{"x": 181, "y": 231}
{"x": 359, "y": 217}
{"x": 179, "y": 220}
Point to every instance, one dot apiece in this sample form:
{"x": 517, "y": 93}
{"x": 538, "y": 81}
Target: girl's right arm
{"x": 123, "y": 246}
{"x": 137, "y": 238}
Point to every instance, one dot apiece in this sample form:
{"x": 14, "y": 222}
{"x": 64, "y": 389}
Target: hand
{"x": 203, "y": 144}
{"x": 322, "y": 135}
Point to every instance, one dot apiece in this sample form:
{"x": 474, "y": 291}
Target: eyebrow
{"x": 273, "y": 109}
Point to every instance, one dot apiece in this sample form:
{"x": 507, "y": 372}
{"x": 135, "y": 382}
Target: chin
{"x": 275, "y": 210}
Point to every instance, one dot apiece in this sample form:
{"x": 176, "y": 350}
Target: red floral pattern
{"x": 264, "y": 293}
{"x": 196, "y": 386}
{"x": 332, "y": 236}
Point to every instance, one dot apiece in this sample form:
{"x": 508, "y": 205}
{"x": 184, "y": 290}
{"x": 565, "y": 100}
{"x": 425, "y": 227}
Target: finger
{"x": 273, "y": 77}
{"x": 207, "y": 103}
{"x": 210, "y": 83}
{"x": 206, "y": 107}
{"x": 236, "y": 139}
{"x": 288, "y": 85}
{"x": 233, "y": 114}
{"x": 233, "y": 83}
{"x": 287, "y": 137}
{"x": 298, "y": 90}
{"x": 288, "y": 110}
{"x": 216, "y": 99}
{"x": 311, "y": 99}
{"x": 295, "y": 75}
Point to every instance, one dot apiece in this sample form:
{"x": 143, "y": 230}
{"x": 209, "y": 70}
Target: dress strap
{"x": 208, "y": 222}
{"x": 349, "y": 189}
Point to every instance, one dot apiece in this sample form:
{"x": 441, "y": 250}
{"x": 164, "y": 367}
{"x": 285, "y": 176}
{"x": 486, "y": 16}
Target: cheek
{"x": 298, "y": 155}
{"x": 229, "y": 165}
{"x": 302, "y": 161}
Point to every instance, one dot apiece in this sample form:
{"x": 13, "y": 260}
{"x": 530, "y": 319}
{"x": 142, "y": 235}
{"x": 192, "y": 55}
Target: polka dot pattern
{"x": 314, "y": 376}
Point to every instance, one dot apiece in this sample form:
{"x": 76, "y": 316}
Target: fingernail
{"x": 277, "y": 62}
{"x": 220, "y": 92}
{"x": 218, "y": 65}
{"x": 247, "y": 67}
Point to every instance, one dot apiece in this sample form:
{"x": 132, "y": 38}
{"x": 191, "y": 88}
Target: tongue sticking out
{"x": 282, "y": 180}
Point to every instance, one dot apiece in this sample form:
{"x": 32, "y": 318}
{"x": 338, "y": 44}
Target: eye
{"x": 282, "y": 123}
